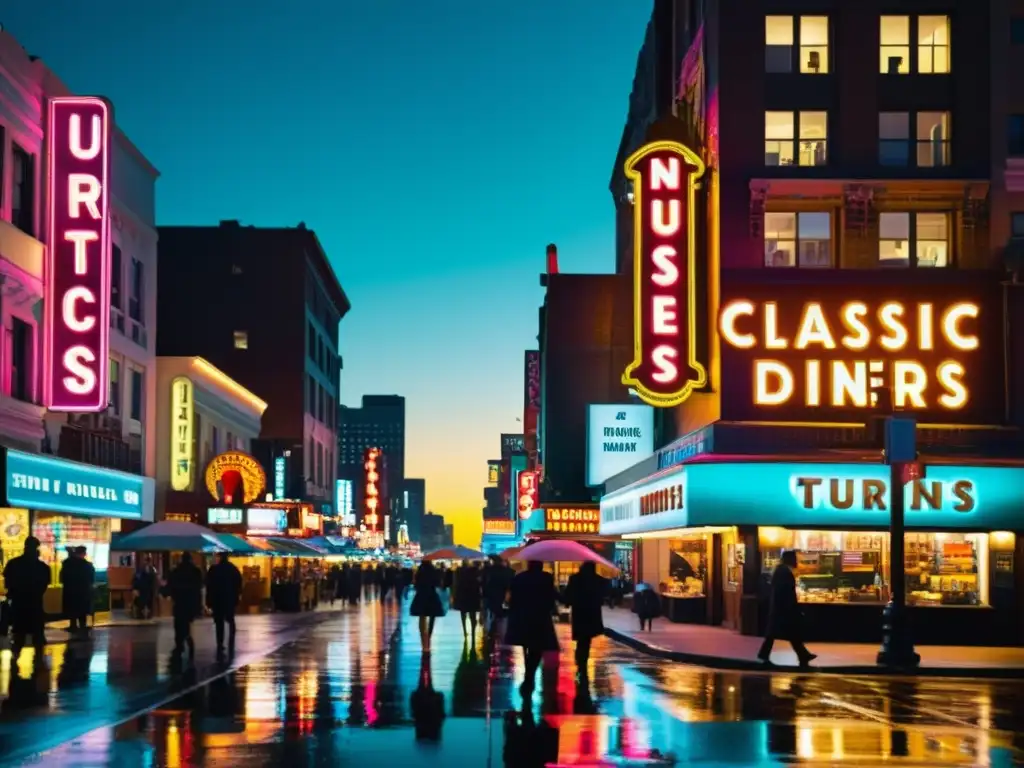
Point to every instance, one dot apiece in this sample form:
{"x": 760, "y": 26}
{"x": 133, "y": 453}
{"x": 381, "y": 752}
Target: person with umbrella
{"x": 531, "y": 603}
{"x": 585, "y": 595}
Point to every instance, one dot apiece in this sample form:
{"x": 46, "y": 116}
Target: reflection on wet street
{"x": 356, "y": 691}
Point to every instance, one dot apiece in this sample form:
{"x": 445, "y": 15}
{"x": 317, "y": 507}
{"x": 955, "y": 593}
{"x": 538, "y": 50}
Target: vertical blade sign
{"x": 77, "y": 331}
{"x": 665, "y": 370}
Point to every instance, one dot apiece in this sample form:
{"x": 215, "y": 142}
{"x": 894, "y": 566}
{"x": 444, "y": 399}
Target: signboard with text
{"x": 572, "y": 519}
{"x": 510, "y": 444}
{"x": 665, "y": 370}
{"x": 77, "y": 326}
{"x": 182, "y": 425}
{"x": 499, "y": 527}
{"x": 527, "y": 483}
{"x": 814, "y": 349}
{"x": 618, "y": 436}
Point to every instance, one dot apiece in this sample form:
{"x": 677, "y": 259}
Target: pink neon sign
{"x": 77, "y": 330}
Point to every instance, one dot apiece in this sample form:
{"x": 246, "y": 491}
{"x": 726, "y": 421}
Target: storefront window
{"x": 58, "y": 532}
{"x": 854, "y": 567}
{"x": 687, "y": 568}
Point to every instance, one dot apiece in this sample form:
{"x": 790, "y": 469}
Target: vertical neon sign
{"x": 665, "y": 370}
{"x": 279, "y": 477}
{"x": 527, "y": 482}
{"x": 182, "y": 425}
{"x": 77, "y": 333}
{"x": 372, "y": 518}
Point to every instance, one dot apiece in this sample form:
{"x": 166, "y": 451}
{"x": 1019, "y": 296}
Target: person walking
{"x": 467, "y": 597}
{"x": 646, "y": 605}
{"x": 426, "y": 603}
{"x": 223, "y": 591}
{"x": 144, "y": 586}
{"x": 77, "y": 576}
{"x": 784, "y": 613}
{"x": 585, "y": 595}
{"x": 496, "y": 587}
{"x": 185, "y": 588}
{"x": 355, "y": 584}
{"x": 531, "y": 603}
{"x": 27, "y": 578}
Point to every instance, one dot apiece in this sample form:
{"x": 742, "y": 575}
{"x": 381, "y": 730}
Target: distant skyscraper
{"x": 379, "y": 423}
{"x": 414, "y": 506}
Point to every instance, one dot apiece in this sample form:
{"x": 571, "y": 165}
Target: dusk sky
{"x": 435, "y": 148}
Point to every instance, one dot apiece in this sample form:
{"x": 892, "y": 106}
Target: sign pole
{"x": 901, "y": 455}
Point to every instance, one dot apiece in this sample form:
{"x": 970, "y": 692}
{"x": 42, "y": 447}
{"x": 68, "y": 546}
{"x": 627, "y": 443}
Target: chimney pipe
{"x": 552, "y": 259}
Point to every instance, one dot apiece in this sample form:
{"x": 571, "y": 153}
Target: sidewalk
{"x": 726, "y": 649}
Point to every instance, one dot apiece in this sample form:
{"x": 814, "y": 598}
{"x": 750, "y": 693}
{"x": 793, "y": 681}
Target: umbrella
{"x": 172, "y": 536}
{"x": 457, "y": 552}
{"x": 511, "y": 552}
{"x": 561, "y": 551}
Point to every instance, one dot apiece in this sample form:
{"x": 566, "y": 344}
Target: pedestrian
{"x": 185, "y": 588}
{"x": 585, "y": 595}
{"x": 144, "y": 586}
{"x": 467, "y": 596}
{"x": 27, "y": 578}
{"x": 499, "y": 580}
{"x": 332, "y": 584}
{"x": 784, "y": 613}
{"x": 223, "y": 591}
{"x": 355, "y": 584}
{"x": 403, "y": 578}
{"x": 427, "y": 603}
{"x": 341, "y": 583}
{"x": 77, "y": 576}
{"x": 531, "y": 603}
{"x": 646, "y": 605}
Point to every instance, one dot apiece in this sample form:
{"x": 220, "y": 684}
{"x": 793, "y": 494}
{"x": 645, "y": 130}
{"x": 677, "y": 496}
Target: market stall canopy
{"x": 294, "y": 547}
{"x": 171, "y": 536}
{"x": 561, "y": 551}
{"x": 237, "y": 544}
{"x": 458, "y": 552}
{"x": 511, "y": 552}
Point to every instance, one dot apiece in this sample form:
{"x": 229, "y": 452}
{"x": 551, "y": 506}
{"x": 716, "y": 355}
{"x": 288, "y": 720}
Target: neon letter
{"x": 83, "y": 189}
{"x": 664, "y": 321}
{"x": 82, "y": 380}
{"x": 925, "y": 337}
{"x": 853, "y": 314}
{"x": 772, "y": 340}
{"x": 853, "y": 385}
{"x": 95, "y": 137}
{"x": 728, "y": 324}
{"x": 73, "y": 295}
{"x": 814, "y": 328}
{"x": 950, "y": 375}
{"x": 665, "y": 176}
{"x": 675, "y": 214}
{"x": 80, "y": 237}
{"x": 908, "y": 382}
{"x": 783, "y": 390}
{"x": 666, "y": 273}
{"x": 665, "y": 369}
{"x": 951, "y": 326}
{"x": 889, "y": 316}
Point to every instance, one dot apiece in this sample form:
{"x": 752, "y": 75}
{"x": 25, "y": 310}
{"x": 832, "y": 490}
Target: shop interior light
{"x": 675, "y": 533}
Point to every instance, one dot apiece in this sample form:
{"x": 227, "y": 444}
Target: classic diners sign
{"x": 798, "y": 351}
{"x": 665, "y": 369}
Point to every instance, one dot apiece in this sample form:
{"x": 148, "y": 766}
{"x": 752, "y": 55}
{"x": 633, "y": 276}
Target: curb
{"x": 745, "y": 665}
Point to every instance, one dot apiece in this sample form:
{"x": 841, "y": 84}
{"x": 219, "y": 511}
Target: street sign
{"x": 900, "y": 440}
{"x": 910, "y": 471}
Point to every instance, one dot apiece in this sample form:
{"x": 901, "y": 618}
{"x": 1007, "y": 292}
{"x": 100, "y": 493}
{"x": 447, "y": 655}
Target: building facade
{"x": 414, "y": 506}
{"x": 287, "y": 357}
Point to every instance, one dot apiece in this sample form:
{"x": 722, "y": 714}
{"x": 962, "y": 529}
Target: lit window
{"x": 895, "y": 45}
{"x": 814, "y": 45}
{"x": 894, "y": 138}
{"x": 932, "y": 139}
{"x": 778, "y": 44}
{"x": 813, "y": 135}
{"x": 798, "y": 239}
{"x": 779, "y": 135}
{"x": 241, "y": 339}
{"x": 1017, "y": 224}
{"x": 913, "y": 239}
{"x": 933, "y": 45}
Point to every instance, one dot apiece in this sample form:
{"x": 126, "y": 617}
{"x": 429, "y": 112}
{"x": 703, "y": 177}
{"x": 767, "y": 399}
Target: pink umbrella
{"x": 561, "y": 551}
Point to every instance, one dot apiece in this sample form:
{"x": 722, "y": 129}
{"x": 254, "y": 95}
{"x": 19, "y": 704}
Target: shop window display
{"x": 58, "y": 532}
{"x": 946, "y": 568}
{"x": 687, "y": 568}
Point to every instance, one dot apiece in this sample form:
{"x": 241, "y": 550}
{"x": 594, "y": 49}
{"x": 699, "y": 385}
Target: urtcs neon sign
{"x": 665, "y": 370}
{"x": 77, "y": 332}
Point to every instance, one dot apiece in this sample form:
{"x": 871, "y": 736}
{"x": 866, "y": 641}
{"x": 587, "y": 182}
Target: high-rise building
{"x": 414, "y": 506}
{"x": 433, "y": 536}
{"x": 288, "y": 356}
{"x": 378, "y": 423}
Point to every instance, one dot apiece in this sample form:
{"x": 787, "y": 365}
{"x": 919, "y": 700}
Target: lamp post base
{"x": 897, "y": 646}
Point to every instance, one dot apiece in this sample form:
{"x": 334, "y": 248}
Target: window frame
{"x": 932, "y": 47}
{"x": 913, "y": 240}
{"x": 240, "y": 340}
{"x": 914, "y": 143}
{"x": 136, "y": 372}
{"x": 796, "y": 45}
{"x": 23, "y": 217}
{"x": 137, "y": 291}
{"x": 913, "y": 45}
{"x": 797, "y": 240}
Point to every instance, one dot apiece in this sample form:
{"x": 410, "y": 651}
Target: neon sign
{"x": 182, "y": 424}
{"x": 372, "y": 476}
{"x": 665, "y": 370}
{"x": 527, "y": 482}
{"x": 77, "y": 333}
{"x": 227, "y": 471}
{"x": 499, "y": 527}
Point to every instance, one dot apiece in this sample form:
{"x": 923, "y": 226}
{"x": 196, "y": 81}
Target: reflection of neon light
{"x": 370, "y": 703}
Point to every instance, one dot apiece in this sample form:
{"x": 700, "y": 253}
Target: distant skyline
{"x": 435, "y": 148}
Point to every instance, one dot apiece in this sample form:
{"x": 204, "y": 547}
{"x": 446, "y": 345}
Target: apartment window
{"x": 310, "y": 395}
{"x": 319, "y": 464}
{"x": 1017, "y": 30}
{"x": 137, "y": 380}
{"x": 933, "y": 45}
{"x": 114, "y": 396}
{"x": 311, "y": 340}
{"x": 1015, "y": 136}
{"x": 20, "y": 340}
{"x": 895, "y": 45}
{"x": 241, "y": 339}
{"x": 23, "y": 190}
{"x": 215, "y": 440}
{"x": 783, "y": 146}
{"x": 933, "y": 139}
{"x": 1017, "y": 225}
{"x": 894, "y": 138}
{"x": 814, "y": 45}
{"x": 798, "y": 239}
{"x": 116, "y": 277}
{"x": 780, "y": 45}
{"x": 913, "y": 240}
{"x": 135, "y": 298}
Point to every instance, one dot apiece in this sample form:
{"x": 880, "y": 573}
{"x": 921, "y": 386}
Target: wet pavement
{"x": 355, "y": 690}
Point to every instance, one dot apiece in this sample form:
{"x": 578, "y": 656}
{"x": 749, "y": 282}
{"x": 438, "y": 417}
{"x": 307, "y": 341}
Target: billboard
{"x": 618, "y": 436}
{"x": 234, "y": 478}
{"x": 499, "y": 527}
{"x": 493, "y": 472}
{"x": 665, "y": 370}
{"x": 77, "y": 328}
{"x": 819, "y": 351}
{"x": 528, "y": 492}
{"x": 572, "y": 519}
{"x": 510, "y": 444}
{"x": 531, "y": 403}
{"x": 182, "y": 436}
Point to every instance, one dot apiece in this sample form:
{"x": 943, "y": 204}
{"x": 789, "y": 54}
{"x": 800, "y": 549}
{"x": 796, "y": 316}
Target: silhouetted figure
{"x": 355, "y": 585}
{"x": 427, "y": 706}
{"x": 467, "y": 596}
{"x": 144, "y": 586}
{"x": 585, "y": 595}
{"x": 223, "y": 591}
{"x": 496, "y": 587}
{"x": 646, "y": 605}
{"x": 77, "y": 576}
{"x": 784, "y": 613}
{"x": 185, "y": 588}
{"x": 27, "y": 579}
{"x": 426, "y": 603}
{"x": 532, "y": 601}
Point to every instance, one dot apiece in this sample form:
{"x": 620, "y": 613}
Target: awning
{"x": 294, "y": 547}
{"x": 336, "y": 547}
{"x": 238, "y": 545}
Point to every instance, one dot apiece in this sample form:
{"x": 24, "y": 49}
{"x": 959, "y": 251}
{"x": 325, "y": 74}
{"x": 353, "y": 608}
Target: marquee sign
{"x": 182, "y": 425}
{"x": 77, "y": 332}
{"x": 814, "y": 352}
{"x": 665, "y": 370}
{"x": 527, "y": 482}
{"x": 572, "y": 519}
{"x": 228, "y": 471}
{"x": 499, "y": 527}
{"x": 372, "y": 476}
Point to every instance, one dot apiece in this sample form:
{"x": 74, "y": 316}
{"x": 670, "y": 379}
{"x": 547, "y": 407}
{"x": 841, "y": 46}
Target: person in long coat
{"x": 467, "y": 596}
{"x": 426, "y": 603}
{"x": 530, "y": 625}
{"x": 185, "y": 588}
{"x": 784, "y": 613}
{"x": 27, "y": 579}
{"x": 496, "y": 586}
{"x": 223, "y": 592}
{"x": 77, "y": 576}
{"x": 585, "y": 595}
